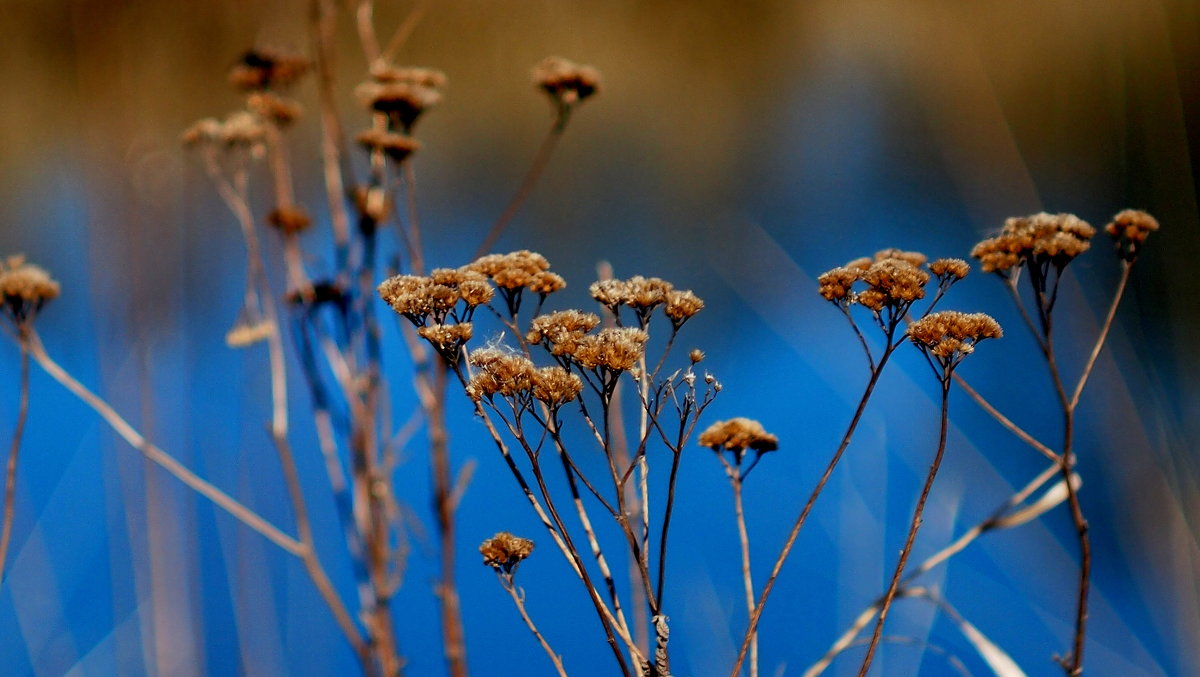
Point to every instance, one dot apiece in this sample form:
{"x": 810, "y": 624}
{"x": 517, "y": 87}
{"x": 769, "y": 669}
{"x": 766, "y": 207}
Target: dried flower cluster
{"x": 567, "y": 82}
{"x": 1042, "y": 239}
{"x": 402, "y": 94}
{"x": 241, "y": 130}
{"x": 503, "y": 552}
{"x": 894, "y": 279}
{"x": 264, "y": 69}
{"x": 1129, "y": 229}
{"x": 440, "y": 305}
{"x": 515, "y": 377}
{"x": 643, "y": 295}
{"x": 25, "y": 288}
{"x": 738, "y": 435}
{"x": 515, "y": 272}
{"x": 950, "y": 335}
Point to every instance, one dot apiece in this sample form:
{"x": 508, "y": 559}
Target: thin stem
{"x": 662, "y": 541}
{"x": 519, "y": 600}
{"x": 1004, "y": 420}
{"x": 531, "y": 177}
{"x": 153, "y": 453}
{"x": 747, "y": 582}
{"x": 10, "y": 471}
{"x": 752, "y": 627}
{"x": 914, "y": 526}
{"x": 404, "y": 30}
{"x": 444, "y": 500}
{"x": 1108, "y": 322}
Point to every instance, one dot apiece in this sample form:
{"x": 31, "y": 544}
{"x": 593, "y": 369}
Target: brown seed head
{"x": 949, "y": 269}
{"x": 615, "y": 349}
{"x": 565, "y": 81}
{"x": 950, "y": 334}
{"x": 396, "y": 146}
{"x": 682, "y": 305}
{"x": 738, "y": 434}
{"x": 499, "y": 372}
{"x": 562, "y": 330}
{"x": 447, "y": 339}
{"x": 280, "y": 110}
{"x": 1129, "y": 229}
{"x": 836, "y": 285}
{"x": 546, "y": 282}
{"x": 896, "y": 280}
{"x": 555, "y": 386}
{"x": 261, "y": 69}
{"x": 503, "y": 552}
{"x": 609, "y": 293}
{"x": 916, "y": 259}
{"x": 860, "y": 264}
{"x": 696, "y": 356}
{"x": 646, "y": 293}
{"x": 1043, "y": 237}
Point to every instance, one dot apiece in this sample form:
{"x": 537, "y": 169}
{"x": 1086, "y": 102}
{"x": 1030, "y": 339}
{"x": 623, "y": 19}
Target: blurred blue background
{"x": 738, "y": 149}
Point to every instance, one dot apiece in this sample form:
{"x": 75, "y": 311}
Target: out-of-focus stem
{"x": 10, "y": 469}
{"x": 747, "y": 581}
{"x": 531, "y": 178}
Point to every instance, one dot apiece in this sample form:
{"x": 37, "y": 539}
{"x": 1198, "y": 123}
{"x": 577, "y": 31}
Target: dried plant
{"x": 601, "y": 382}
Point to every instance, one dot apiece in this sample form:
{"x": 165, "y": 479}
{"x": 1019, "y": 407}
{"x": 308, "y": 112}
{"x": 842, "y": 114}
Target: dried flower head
{"x": 837, "y": 285}
{"x": 696, "y": 356}
{"x": 25, "y": 288}
{"x": 289, "y": 219}
{"x": 565, "y": 81}
{"x": 681, "y": 306}
{"x": 1129, "y": 229}
{"x": 914, "y": 258}
{"x": 1043, "y": 239}
{"x": 949, "y": 270}
{"x": 499, "y": 372}
{"x": 447, "y": 339}
{"x": 546, "y": 282}
{"x": 403, "y": 94}
{"x": 609, "y": 293}
{"x": 280, "y": 110}
{"x": 418, "y": 298}
{"x": 738, "y": 435}
{"x": 561, "y": 331}
{"x": 555, "y": 386}
{"x": 503, "y": 552}
{"x": 950, "y": 335}
{"x": 396, "y": 146}
{"x": 895, "y": 283}
{"x": 261, "y": 69}
{"x": 614, "y": 349}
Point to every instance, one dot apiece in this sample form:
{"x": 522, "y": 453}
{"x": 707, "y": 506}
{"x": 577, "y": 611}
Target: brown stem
{"x": 752, "y": 627}
{"x": 454, "y": 644}
{"x": 1073, "y": 664}
{"x": 1004, "y": 420}
{"x": 913, "y": 527}
{"x": 10, "y": 470}
{"x": 531, "y": 177}
{"x": 747, "y": 581}
{"x": 1108, "y": 322}
{"x": 519, "y": 600}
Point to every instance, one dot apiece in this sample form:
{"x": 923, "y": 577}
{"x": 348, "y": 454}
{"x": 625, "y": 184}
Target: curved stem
{"x": 531, "y": 177}
{"x": 913, "y": 527}
{"x": 10, "y": 471}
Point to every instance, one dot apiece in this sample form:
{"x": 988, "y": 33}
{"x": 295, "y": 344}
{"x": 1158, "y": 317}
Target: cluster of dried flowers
{"x": 950, "y": 335}
{"x": 566, "y": 83}
{"x": 503, "y": 552}
{"x": 1129, "y": 230}
{"x": 644, "y": 295}
{"x": 890, "y": 281}
{"x": 1041, "y": 240}
{"x": 738, "y": 435}
{"x": 397, "y": 97}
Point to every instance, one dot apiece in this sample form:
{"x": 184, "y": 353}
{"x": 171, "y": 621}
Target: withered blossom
{"x": 25, "y": 288}
{"x": 681, "y": 305}
{"x": 613, "y": 349}
{"x": 948, "y": 270}
{"x": 561, "y": 331}
{"x": 738, "y": 435}
{"x": 555, "y": 386}
{"x": 1043, "y": 239}
{"x": 289, "y": 219}
{"x": 566, "y": 82}
{"x": 950, "y": 335}
{"x": 261, "y": 69}
{"x": 398, "y": 147}
{"x": 447, "y": 339}
{"x": 1129, "y": 229}
{"x": 402, "y": 94}
{"x": 503, "y": 552}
